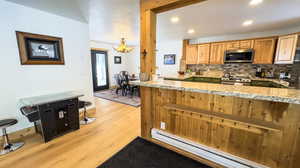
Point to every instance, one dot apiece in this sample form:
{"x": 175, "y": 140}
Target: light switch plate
{"x": 162, "y": 125}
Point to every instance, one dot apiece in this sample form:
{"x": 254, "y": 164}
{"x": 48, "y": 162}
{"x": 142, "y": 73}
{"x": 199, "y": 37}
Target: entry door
{"x": 100, "y": 70}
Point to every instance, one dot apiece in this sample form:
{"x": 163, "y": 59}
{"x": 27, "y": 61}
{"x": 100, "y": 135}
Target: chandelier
{"x": 123, "y": 48}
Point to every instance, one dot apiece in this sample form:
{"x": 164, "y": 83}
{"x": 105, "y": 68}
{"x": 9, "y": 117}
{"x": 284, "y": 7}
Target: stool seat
{"x": 83, "y": 104}
{"x": 7, "y": 122}
{"x": 7, "y": 146}
{"x": 86, "y": 119}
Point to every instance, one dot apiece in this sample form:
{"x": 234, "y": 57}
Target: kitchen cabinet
{"x": 243, "y": 44}
{"x": 217, "y": 53}
{"x": 286, "y": 49}
{"x": 233, "y": 45}
{"x": 191, "y": 54}
{"x": 264, "y": 50}
{"x": 246, "y": 44}
{"x": 203, "y": 54}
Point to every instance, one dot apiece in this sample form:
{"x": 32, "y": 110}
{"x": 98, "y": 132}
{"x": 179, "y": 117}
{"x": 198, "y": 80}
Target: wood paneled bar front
{"x": 256, "y": 129}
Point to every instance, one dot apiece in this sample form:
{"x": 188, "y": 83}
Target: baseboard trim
{"x": 20, "y": 134}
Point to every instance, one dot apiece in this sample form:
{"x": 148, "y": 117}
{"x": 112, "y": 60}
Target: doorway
{"x": 100, "y": 70}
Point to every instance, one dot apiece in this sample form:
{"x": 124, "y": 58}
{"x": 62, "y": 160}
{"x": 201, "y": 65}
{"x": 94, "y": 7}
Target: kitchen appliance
{"x": 240, "y": 81}
{"x": 239, "y": 56}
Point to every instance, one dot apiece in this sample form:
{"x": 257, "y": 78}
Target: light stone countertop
{"x": 249, "y": 92}
{"x": 182, "y": 77}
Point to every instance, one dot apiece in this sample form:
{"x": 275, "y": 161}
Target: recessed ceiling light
{"x": 248, "y": 23}
{"x": 174, "y": 19}
{"x": 191, "y": 31}
{"x": 255, "y": 2}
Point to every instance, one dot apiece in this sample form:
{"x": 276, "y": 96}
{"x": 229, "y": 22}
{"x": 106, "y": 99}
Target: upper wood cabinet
{"x": 243, "y": 44}
{"x": 217, "y": 52}
{"x": 246, "y": 44}
{"x": 233, "y": 45}
{"x": 203, "y": 54}
{"x": 286, "y": 49}
{"x": 264, "y": 51}
{"x": 192, "y": 54}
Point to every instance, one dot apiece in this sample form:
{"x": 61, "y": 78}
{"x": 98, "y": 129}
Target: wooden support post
{"x": 185, "y": 43}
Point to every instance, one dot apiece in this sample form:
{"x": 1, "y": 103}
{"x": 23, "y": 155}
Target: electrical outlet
{"x": 162, "y": 125}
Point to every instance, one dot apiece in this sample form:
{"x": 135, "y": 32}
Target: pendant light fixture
{"x": 123, "y": 48}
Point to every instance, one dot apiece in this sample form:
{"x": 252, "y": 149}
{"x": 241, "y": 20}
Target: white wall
{"x": 168, "y": 47}
{"x": 19, "y": 81}
{"x": 130, "y": 61}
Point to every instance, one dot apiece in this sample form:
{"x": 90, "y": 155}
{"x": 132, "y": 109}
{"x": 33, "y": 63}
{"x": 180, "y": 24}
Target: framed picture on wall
{"x": 118, "y": 60}
{"x": 169, "y": 59}
{"x": 36, "y": 49}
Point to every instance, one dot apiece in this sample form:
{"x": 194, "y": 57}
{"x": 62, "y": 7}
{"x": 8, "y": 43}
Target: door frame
{"x": 93, "y": 61}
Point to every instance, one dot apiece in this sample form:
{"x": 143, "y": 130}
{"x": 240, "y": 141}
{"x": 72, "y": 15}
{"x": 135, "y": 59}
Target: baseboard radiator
{"x": 208, "y": 153}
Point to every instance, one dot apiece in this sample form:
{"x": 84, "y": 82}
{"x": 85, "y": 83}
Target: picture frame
{"x": 118, "y": 60}
{"x": 36, "y": 49}
{"x": 169, "y": 59}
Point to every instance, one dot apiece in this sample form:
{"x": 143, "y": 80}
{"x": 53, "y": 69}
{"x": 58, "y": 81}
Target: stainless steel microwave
{"x": 239, "y": 56}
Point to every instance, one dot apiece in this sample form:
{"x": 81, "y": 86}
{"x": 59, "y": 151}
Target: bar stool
{"x": 86, "y": 120}
{"x": 7, "y": 146}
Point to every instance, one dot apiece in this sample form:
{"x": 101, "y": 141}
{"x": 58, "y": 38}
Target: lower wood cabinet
{"x": 272, "y": 148}
{"x": 217, "y": 52}
{"x": 264, "y": 51}
{"x": 286, "y": 49}
{"x": 203, "y": 54}
{"x": 191, "y": 54}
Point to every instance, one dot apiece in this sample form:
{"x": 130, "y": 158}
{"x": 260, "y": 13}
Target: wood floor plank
{"x": 115, "y": 127}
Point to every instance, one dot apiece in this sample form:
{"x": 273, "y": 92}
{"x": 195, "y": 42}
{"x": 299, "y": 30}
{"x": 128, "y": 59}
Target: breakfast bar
{"x": 252, "y": 126}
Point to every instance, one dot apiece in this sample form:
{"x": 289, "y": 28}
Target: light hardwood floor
{"x": 115, "y": 127}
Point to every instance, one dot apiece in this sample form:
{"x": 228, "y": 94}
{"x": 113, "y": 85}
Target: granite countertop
{"x": 250, "y": 92}
{"x": 183, "y": 77}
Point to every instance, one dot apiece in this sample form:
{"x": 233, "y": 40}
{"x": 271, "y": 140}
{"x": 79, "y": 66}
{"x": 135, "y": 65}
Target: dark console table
{"x": 53, "y": 115}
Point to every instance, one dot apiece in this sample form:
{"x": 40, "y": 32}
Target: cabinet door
{"x": 264, "y": 51}
{"x": 203, "y": 54}
{"x": 233, "y": 45}
{"x": 246, "y": 44}
{"x": 286, "y": 49}
{"x": 191, "y": 54}
{"x": 217, "y": 53}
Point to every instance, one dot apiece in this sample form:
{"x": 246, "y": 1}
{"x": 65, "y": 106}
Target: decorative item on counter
{"x": 198, "y": 72}
{"x": 258, "y": 72}
{"x": 181, "y": 72}
{"x": 269, "y": 74}
{"x": 284, "y": 75}
{"x": 144, "y": 76}
{"x": 189, "y": 71}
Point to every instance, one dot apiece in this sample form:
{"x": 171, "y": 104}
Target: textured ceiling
{"x": 74, "y": 9}
{"x": 110, "y": 20}
{"x": 224, "y": 17}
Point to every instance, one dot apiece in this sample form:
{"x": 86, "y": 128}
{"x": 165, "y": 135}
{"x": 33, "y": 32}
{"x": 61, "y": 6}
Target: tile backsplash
{"x": 250, "y": 70}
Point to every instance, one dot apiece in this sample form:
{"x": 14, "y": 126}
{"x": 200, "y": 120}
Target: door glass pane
{"x": 101, "y": 70}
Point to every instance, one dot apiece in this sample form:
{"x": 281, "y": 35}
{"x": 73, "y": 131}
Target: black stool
{"x": 86, "y": 120}
{"x": 7, "y": 146}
